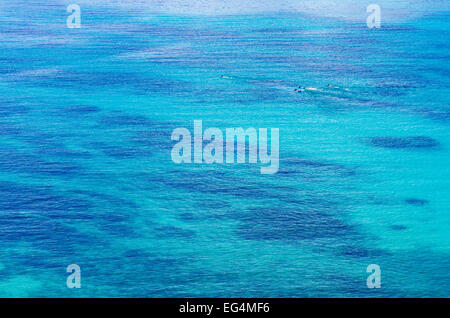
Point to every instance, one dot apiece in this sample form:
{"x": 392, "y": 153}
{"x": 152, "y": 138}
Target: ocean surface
{"x": 86, "y": 176}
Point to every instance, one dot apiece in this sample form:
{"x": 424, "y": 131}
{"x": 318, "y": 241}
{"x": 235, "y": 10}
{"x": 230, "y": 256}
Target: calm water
{"x": 86, "y": 175}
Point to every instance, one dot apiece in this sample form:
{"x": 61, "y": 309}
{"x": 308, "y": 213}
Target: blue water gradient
{"x": 86, "y": 175}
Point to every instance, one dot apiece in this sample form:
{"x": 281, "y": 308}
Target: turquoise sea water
{"x": 86, "y": 175}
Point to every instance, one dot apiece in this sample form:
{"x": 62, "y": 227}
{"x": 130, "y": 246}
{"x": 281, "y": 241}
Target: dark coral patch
{"x": 360, "y": 251}
{"x": 187, "y": 216}
{"x": 440, "y": 115}
{"x": 398, "y": 227}
{"x": 101, "y": 199}
{"x": 37, "y": 215}
{"x": 157, "y": 137}
{"x": 121, "y": 153}
{"x": 24, "y": 199}
{"x": 10, "y": 109}
{"x": 313, "y": 169}
{"x": 416, "y": 202}
{"x": 290, "y": 224}
{"x": 169, "y": 231}
{"x": 19, "y": 162}
{"x": 417, "y": 142}
{"x": 126, "y": 120}
{"x": 81, "y": 110}
{"x": 60, "y": 151}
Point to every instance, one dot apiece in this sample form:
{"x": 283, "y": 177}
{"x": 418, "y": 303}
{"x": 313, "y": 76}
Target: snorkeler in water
{"x": 300, "y": 89}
